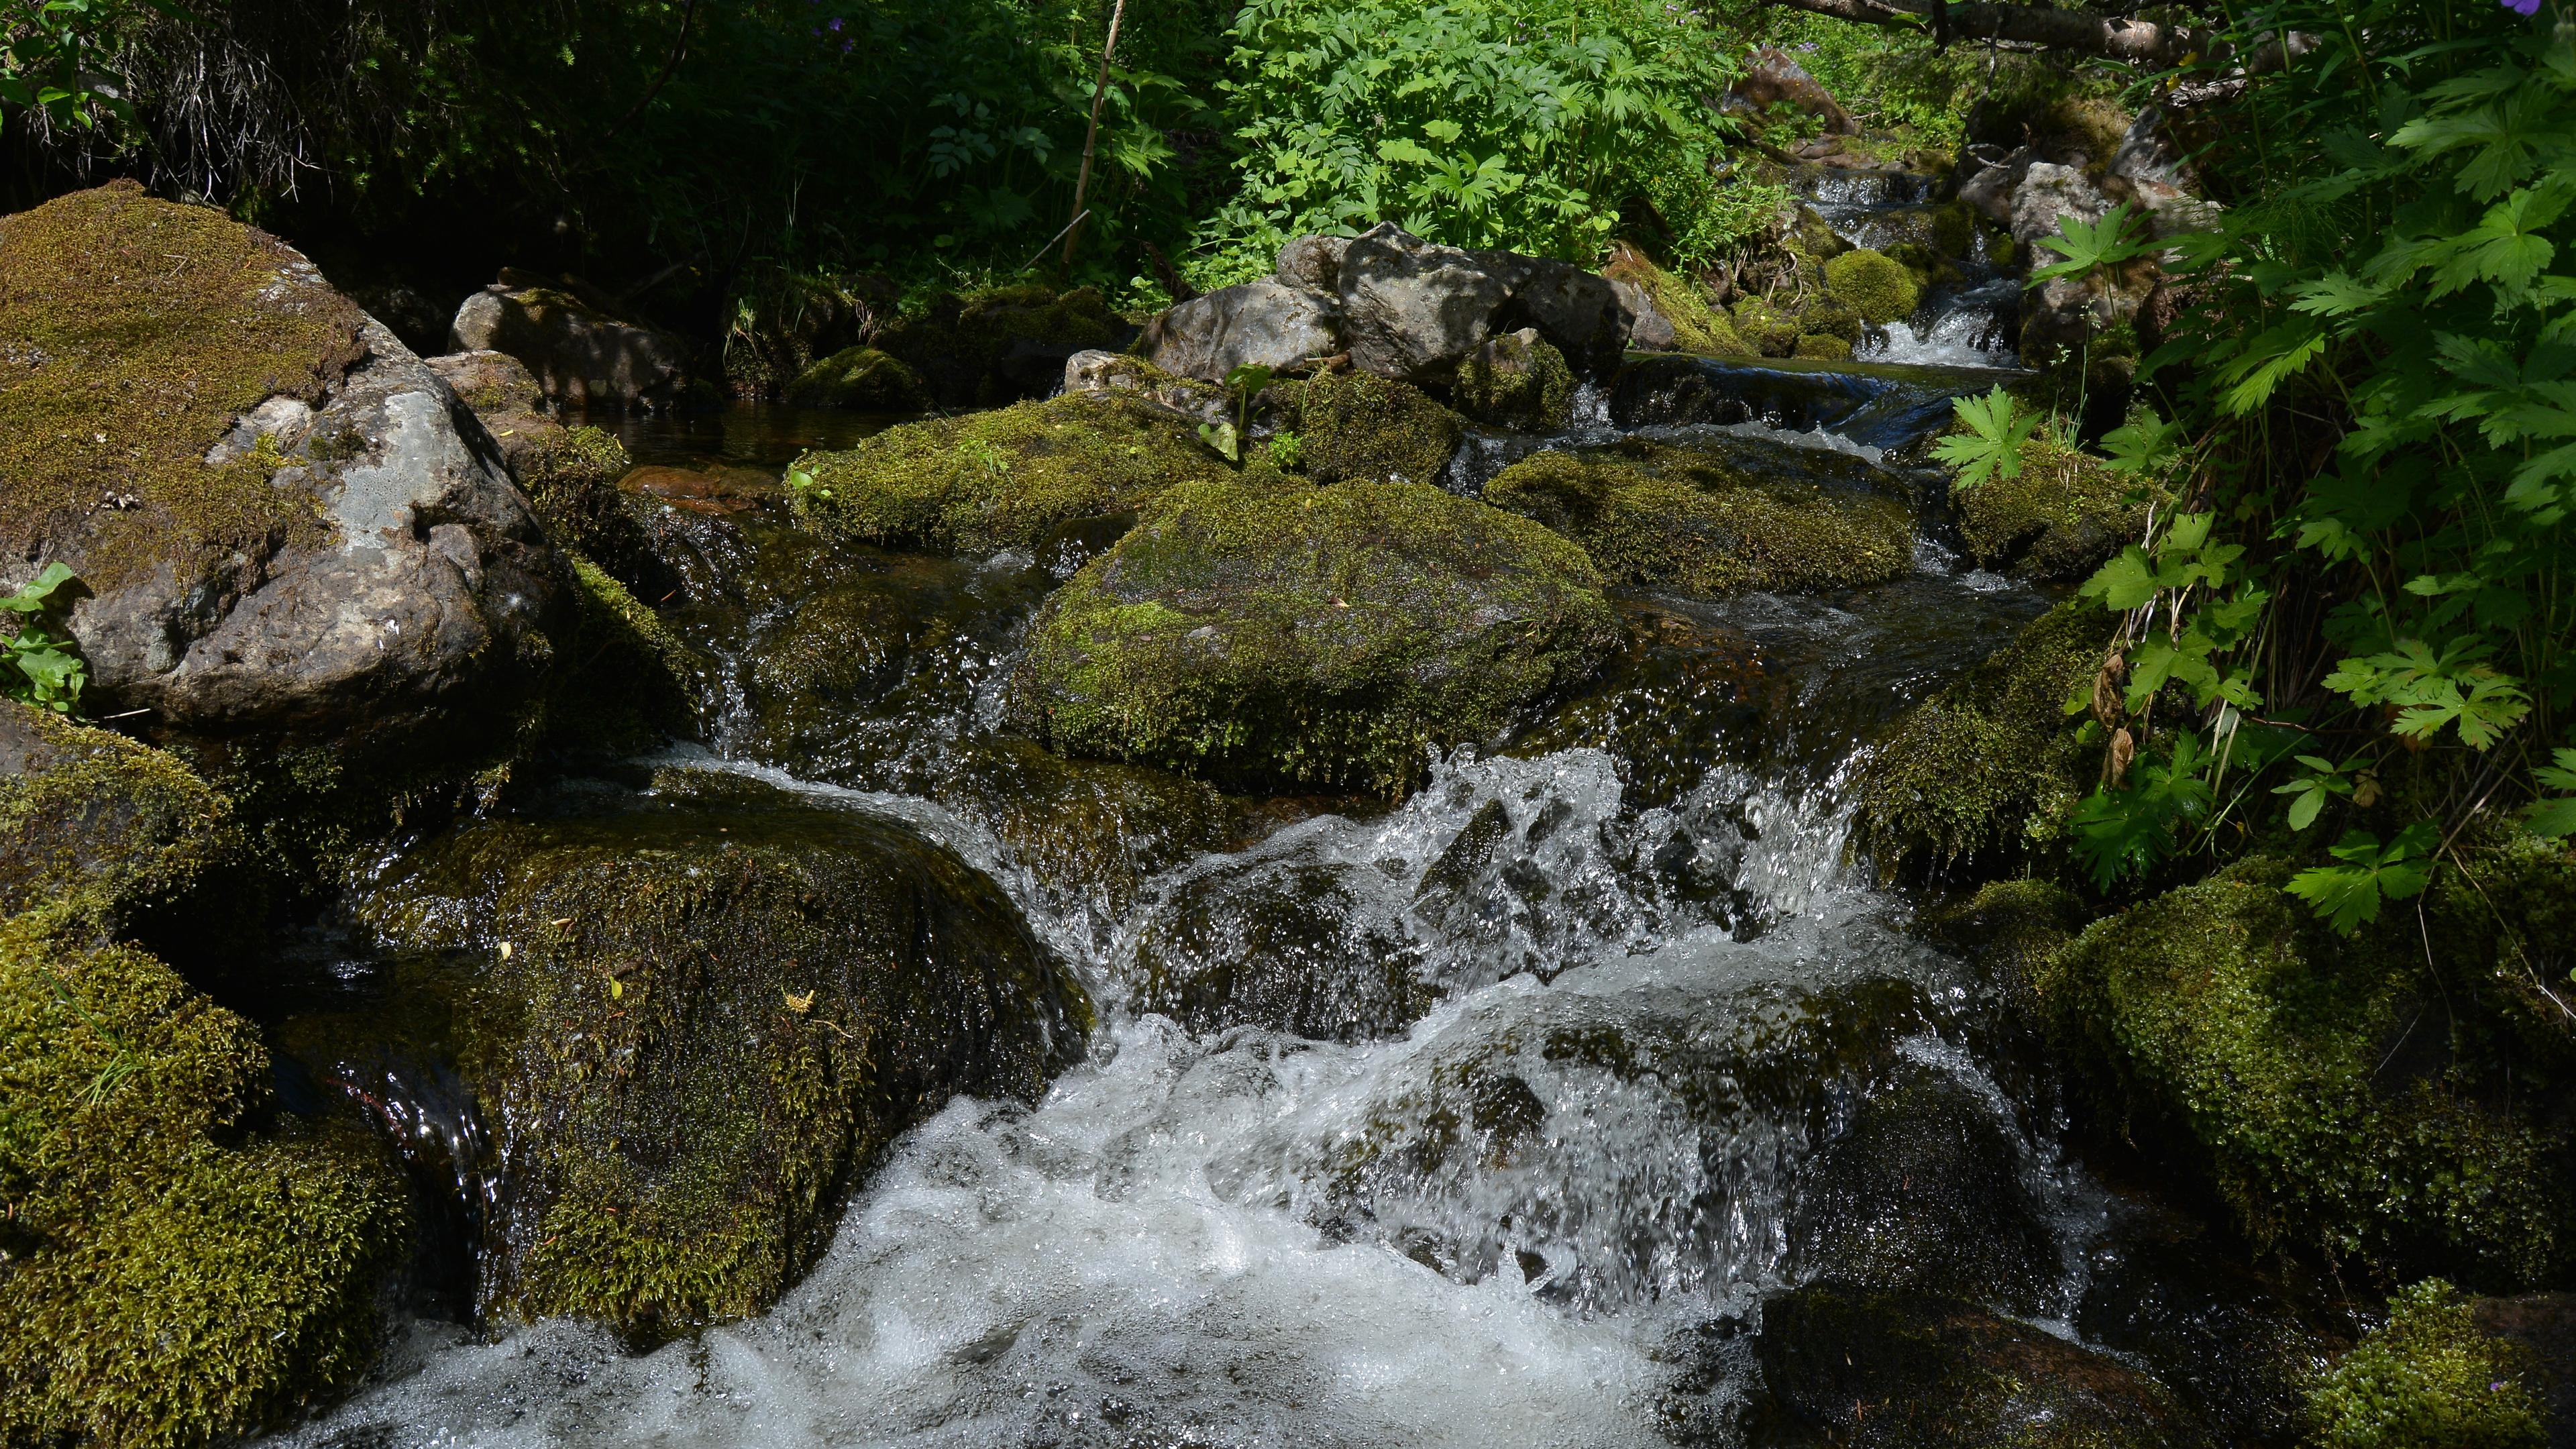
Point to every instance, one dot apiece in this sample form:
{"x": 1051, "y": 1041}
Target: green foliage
{"x": 2427, "y": 1379}
{"x": 2121, "y": 832}
{"x": 48, "y": 673}
{"x": 1545, "y": 126}
{"x": 2348, "y": 895}
{"x": 1991, "y": 448}
{"x": 1226, "y": 438}
{"x": 53, "y": 58}
{"x": 2555, "y": 816}
{"x": 2090, "y": 245}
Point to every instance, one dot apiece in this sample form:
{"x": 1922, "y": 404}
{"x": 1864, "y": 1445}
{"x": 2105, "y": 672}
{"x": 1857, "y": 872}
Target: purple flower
{"x": 2523, "y": 7}
{"x": 834, "y": 24}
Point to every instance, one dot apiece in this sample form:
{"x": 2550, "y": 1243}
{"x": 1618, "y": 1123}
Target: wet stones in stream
{"x": 699, "y": 1014}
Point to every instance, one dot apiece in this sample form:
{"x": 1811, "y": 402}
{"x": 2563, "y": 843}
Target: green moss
{"x": 97, "y": 831}
{"x": 2016, "y": 926}
{"x": 570, "y": 476}
{"x": 1697, "y": 326}
{"x": 859, "y": 377}
{"x": 963, "y": 347}
{"x": 1711, "y": 520}
{"x": 1989, "y": 767}
{"x": 1825, "y": 317}
{"x": 996, "y": 480}
{"x": 719, "y": 1004}
{"x": 133, "y": 333}
{"x": 1515, "y": 382}
{"x": 2058, "y": 519}
{"x": 1765, "y": 328}
{"x": 1871, "y": 283}
{"x": 2428, "y": 1379}
{"x": 1270, "y": 633}
{"x": 2224, "y": 1022}
{"x": 1823, "y": 349}
{"x": 176, "y": 1271}
{"x": 1353, "y": 426}
{"x": 623, "y": 687}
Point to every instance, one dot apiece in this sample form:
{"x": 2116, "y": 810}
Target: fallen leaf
{"x": 798, "y": 1004}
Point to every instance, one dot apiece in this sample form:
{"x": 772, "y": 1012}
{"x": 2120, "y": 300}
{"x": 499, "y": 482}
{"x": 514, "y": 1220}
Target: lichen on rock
{"x": 997, "y": 480}
{"x": 1714, "y": 517}
{"x": 1262, "y": 631}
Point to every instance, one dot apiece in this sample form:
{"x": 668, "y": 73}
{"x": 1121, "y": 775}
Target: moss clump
{"x": 996, "y": 480}
{"x": 1818, "y": 348}
{"x": 1266, "y": 632}
{"x": 623, "y": 688}
{"x": 1516, "y": 381}
{"x": 859, "y": 377}
{"x": 133, "y": 332}
{"x": 719, "y": 1005}
{"x": 97, "y": 831}
{"x": 997, "y": 345}
{"x": 2427, "y": 1379}
{"x": 1765, "y": 328}
{"x": 1713, "y": 520}
{"x": 2014, "y": 925}
{"x": 1989, "y": 767}
{"x": 1356, "y": 427}
{"x": 2058, "y": 519}
{"x": 2334, "y": 1097}
{"x": 1697, "y": 326}
{"x": 1873, "y": 284}
{"x": 173, "y": 1270}
{"x": 570, "y": 476}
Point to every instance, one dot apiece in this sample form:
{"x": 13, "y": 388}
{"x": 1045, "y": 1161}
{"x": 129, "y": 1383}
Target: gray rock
{"x": 1098, "y": 370}
{"x": 1412, "y": 310}
{"x": 493, "y": 384}
{"x": 428, "y": 583}
{"x": 2048, "y": 192}
{"x": 2160, "y": 179}
{"x": 1314, "y": 262}
{"x": 581, "y": 356}
{"x": 1648, "y": 327}
{"x": 1991, "y": 190}
{"x": 1578, "y": 311}
{"x": 1265, "y": 323}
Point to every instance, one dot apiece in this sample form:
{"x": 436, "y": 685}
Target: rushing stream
{"x": 1593, "y": 1048}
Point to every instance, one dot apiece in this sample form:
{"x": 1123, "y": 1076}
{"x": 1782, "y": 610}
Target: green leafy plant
{"x": 48, "y": 673}
{"x": 1243, "y": 384}
{"x": 2348, "y": 894}
{"x": 2089, "y": 246}
{"x": 2122, "y": 832}
{"x": 1287, "y": 450}
{"x": 2324, "y": 781}
{"x": 1991, "y": 446}
{"x": 2555, "y": 815}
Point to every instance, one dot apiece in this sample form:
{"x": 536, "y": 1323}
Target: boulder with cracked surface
{"x": 581, "y": 353}
{"x": 1263, "y": 323}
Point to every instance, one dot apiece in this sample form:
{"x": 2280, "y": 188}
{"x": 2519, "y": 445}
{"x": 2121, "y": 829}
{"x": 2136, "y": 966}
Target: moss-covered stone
{"x": 134, "y": 334}
{"x": 623, "y": 687}
{"x": 1356, "y": 427}
{"x": 570, "y": 476}
{"x": 97, "y": 831}
{"x": 2337, "y": 1098}
{"x": 2427, "y": 1379}
{"x": 176, "y": 1267}
{"x": 2058, "y": 519}
{"x": 998, "y": 480}
{"x": 1819, "y": 348}
{"x": 1263, "y": 631}
{"x": 716, "y": 1004}
{"x": 1827, "y": 317}
{"x": 1767, "y": 329}
{"x": 858, "y": 377}
{"x": 1873, "y": 284}
{"x": 990, "y": 347}
{"x": 1989, "y": 767}
{"x": 1716, "y": 518}
{"x": 1516, "y": 381}
{"x": 1697, "y": 326}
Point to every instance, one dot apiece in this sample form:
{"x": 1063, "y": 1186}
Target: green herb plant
{"x": 47, "y": 672}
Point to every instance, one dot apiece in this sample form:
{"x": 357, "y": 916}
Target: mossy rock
{"x": 1697, "y": 325}
{"x": 1857, "y": 1369}
{"x": 1766, "y": 329}
{"x": 1988, "y": 770}
{"x": 1873, "y": 284}
{"x": 1263, "y": 631}
{"x": 993, "y": 346}
{"x": 1818, "y": 348}
{"x": 182, "y": 1267}
{"x": 999, "y": 480}
{"x": 624, "y": 688}
{"x": 2429, "y": 1378}
{"x": 859, "y": 377}
{"x": 717, "y": 1005}
{"x": 2338, "y": 1100}
{"x": 2059, "y": 518}
{"x": 98, "y": 832}
{"x": 1285, "y": 948}
{"x": 1827, "y": 317}
{"x": 1353, "y": 426}
{"x": 1718, "y": 517}
{"x": 1516, "y": 381}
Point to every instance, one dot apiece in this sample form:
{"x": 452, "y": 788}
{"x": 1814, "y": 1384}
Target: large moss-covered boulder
{"x": 1989, "y": 768}
{"x": 1261, "y": 630}
{"x": 992, "y": 347}
{"x": 179, "y": 1265}
{"x": 283, "y": 520}
{"x": 2058, "y": 519}
{"x": 858, "y": 377}
{"x": 1873, "y": 284}
{"x": 998, "y": 480}
{"x": 98, "y": 832}
{"x": 1353, "y": 425}
{"x": 702, "y": 1013}
{"x": 1720, "y": 516}
{"x": 1516, "y": 381}
{"x": 2343, "y": 1095}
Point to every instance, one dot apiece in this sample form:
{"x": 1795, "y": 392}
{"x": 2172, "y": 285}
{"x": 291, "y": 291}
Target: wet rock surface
{"x": 582, "y": 353}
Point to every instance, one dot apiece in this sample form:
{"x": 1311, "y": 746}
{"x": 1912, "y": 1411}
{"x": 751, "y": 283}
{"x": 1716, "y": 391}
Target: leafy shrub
{"x": 1544, "y": 126}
